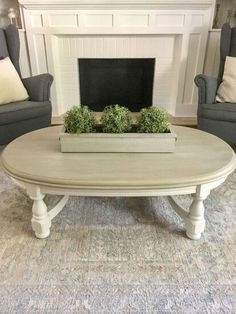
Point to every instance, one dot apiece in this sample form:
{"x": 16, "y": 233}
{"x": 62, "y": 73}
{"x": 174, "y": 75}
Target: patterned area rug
{"x": 117, "y": 255}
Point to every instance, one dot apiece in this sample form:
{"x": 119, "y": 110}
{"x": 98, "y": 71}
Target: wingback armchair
{"x": 213, "y": 117}
{"x": 21, "y": 117}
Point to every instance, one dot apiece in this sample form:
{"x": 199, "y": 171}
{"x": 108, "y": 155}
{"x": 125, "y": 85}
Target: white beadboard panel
{"x": 193, "y": 52}
{"x": 65, "y": 20}
{"x": 212, "y": 60}
{"x": 197, "y": 20}
{"x": 24, "y": 56}
{"x": 36, "y": 20}
{"x": 40, "y": 53}
{"x": 96, "y": 20}
{"x": 169, "y": 20}
{"x": 162, "y": 48}
{"x": 132, "y": 20}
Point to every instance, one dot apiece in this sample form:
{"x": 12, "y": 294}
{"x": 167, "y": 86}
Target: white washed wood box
{"x": 117, "y": 143}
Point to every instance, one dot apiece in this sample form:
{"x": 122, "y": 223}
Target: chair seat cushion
{"x": 218, "y": 111}
{"x": 23, "y": 110}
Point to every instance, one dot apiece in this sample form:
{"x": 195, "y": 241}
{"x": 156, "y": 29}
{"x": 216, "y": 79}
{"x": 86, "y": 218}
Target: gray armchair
{"x": 217, "y": 118}
{"x": 21, "y": 117}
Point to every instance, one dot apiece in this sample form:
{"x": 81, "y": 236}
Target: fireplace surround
{"x": 174, "y": 32}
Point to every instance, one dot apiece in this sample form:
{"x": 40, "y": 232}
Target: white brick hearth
{"x": 174, "y": 32}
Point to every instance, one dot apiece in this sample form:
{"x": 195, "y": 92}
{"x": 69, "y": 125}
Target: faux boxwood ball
{"x": 115, "y": 119}
{"x": 79, "y": 120}
{"x": 153, "y": 120}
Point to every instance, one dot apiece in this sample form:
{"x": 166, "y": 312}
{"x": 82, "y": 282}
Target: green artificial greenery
{"x": 115, "y": 119}
{"x": 153, "y": 120}
{"x": 79, "y": 120}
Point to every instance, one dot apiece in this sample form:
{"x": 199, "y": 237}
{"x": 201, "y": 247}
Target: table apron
{"x": 116, "y": 192}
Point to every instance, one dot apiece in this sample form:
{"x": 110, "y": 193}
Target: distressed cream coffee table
{"x": 200, "y": 163}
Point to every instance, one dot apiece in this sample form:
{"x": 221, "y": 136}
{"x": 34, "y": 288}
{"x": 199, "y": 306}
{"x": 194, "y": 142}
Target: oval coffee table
{"x": 200, "y": 163}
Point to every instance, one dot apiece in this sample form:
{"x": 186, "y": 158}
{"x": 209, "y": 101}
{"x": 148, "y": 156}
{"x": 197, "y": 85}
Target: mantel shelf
{"x": 117, "y": 4}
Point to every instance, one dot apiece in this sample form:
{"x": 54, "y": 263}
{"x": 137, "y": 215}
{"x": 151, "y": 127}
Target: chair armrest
{"x": 207, "y": 87}
{"x": 38, "y": 87}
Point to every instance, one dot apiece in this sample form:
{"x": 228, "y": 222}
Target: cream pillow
{"x": 11, "y": 87}
{"x": 227, "y": 89}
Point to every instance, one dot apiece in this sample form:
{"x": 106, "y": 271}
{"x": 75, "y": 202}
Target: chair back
{"x": 10, "y": 45}
{"x": 227, "y": 46}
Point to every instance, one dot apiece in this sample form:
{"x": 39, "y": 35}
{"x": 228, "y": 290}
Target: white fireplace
{"x": 59, "y": 32}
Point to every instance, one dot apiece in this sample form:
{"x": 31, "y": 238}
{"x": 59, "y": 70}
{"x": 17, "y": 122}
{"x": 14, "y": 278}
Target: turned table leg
{"x": 195, "y": 222}
{"x": 40, "y": 221}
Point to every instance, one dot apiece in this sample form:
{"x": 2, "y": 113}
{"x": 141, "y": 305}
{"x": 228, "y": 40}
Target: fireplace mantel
{"x": 116, "y": 4}
{"x": 174, "y": 32}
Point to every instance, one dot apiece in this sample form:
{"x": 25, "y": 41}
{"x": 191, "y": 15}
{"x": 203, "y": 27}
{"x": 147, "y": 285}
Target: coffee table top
{"x": 199, "y": 158}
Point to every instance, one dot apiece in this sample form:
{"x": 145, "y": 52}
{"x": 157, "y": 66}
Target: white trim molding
{"x": 124, "y": 4}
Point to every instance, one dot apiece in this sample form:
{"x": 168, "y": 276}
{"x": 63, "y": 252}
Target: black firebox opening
{"x": 127, "y": 82}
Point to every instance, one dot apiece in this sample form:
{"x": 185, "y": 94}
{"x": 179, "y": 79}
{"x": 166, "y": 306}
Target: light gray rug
{"x": 117, "y": 255}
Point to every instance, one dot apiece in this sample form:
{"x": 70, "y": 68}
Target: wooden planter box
{"x": 117, "y": 143}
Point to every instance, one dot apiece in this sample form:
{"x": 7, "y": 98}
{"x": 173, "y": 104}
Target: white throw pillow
{"x": 227, "y": 89}
{"x": 11, "y": 87}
